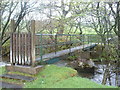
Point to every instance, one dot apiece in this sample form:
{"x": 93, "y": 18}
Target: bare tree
{"x": 116, "y": 15}
{"x": 12, "y": 10}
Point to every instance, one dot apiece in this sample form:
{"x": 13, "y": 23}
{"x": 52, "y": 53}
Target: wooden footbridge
{"x": 28, "y": 48}
{"x": 23, "y": 49}
{"x": 64, "y": 52}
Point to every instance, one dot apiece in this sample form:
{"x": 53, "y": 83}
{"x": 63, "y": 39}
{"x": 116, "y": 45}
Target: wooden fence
{"x": 21, "y": 49}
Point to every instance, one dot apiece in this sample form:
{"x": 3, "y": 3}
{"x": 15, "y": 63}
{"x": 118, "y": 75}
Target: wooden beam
{"x": 12, "y": 27}
{"x": 33, "y": 42}
{"x": 24, "y": 69}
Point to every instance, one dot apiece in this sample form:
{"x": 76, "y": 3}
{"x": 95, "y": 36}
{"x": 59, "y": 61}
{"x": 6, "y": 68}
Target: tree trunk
{"x": 105, "y": 76}
{"x": 118, "y": 34}
{"x": 0, "y": 34}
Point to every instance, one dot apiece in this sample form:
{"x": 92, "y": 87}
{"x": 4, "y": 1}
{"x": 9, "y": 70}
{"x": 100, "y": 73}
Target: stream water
{"x": 97, "y": 76}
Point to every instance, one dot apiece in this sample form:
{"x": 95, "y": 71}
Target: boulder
{"x": 85, "y": 63}
{"x": 82, "y": 63}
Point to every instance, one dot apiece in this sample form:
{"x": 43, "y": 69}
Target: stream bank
{"x": 95, "y": 76}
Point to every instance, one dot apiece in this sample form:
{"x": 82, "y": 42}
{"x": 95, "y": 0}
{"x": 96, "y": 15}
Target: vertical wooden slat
{"x": 16, "y": 48}
{"x": 11, "y": 48}
{"x": 21, "y": 48}
{"x": 27, "y": 45}
{"x": 28, "y": 49}
{"x": 24, "y": 47}
{"x": 19, "y": 51}
{"x": 13, "y": 45}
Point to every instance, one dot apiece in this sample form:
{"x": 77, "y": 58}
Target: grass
{"x": 53, "y": 76}
{"x": 50, "y": 75}
{"x": 2, "y": 70}
{"x": 78, "y": 82}
{"x": 61, "y": 77}
{"x": 87, "y": 30}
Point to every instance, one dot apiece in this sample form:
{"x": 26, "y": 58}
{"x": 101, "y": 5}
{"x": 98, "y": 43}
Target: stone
{"x": 10, "y": 85}
{"x": 18, "y": 77}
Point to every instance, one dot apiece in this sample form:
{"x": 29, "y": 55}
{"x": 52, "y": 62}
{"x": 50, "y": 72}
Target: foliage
{"x": 72, "y": 57}
{"x": 109, "y": 52}
{"x": 6, "y": 48}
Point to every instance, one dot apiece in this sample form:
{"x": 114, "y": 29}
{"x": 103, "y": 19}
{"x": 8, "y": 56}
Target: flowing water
{"x": 97, "y": 76}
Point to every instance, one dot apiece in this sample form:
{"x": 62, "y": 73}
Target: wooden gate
{"x": 20, "y": 49}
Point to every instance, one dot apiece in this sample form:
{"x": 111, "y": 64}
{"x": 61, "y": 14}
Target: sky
{"x": 36, "y": 15}
{"x": 69, "y": 0}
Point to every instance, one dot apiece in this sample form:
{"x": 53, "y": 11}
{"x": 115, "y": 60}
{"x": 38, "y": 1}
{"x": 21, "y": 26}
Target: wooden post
{"x": 0, "y": 35}
{"x": 33, "y": 42}
{"x": 12, "y": 27}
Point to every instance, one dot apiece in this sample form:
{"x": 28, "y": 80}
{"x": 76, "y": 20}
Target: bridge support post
{"x": 33, "y": 42}
{"x": 12, "y": 27}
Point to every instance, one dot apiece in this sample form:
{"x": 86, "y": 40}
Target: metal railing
{"x": 47, "y": 43}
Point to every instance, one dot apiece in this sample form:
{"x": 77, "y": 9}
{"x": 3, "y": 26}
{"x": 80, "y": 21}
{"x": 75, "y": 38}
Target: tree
{"x": 106, "y": 21}
{"x": 12, "y": 10}
{"x": 116, "y": 16}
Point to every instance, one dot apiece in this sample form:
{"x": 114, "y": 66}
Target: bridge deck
{"x": 63, "y": 52}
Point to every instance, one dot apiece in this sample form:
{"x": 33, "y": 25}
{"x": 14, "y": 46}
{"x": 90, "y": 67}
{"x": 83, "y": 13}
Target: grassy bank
{"x": 58, "y": 77}
{"x": 61, "y": 77}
